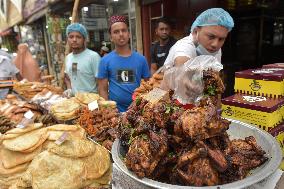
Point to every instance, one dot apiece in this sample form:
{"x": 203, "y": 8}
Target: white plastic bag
{"x": 187, "y": 80}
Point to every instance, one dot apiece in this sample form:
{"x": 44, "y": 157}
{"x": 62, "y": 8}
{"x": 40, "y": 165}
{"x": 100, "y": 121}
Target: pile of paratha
{"x": 86, "y": 98}
{"x": 30, "y": 158}
{"x": 65, "y": 110}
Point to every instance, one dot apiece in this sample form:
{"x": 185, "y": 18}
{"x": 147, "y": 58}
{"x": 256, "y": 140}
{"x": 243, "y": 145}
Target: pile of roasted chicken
{"x": 191, "y": 147}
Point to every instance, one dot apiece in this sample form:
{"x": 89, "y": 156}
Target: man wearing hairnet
{"x": 208, "y": 34}
{"x": 81, "y": 65}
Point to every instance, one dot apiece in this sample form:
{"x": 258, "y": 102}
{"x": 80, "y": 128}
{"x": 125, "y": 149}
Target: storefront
{"x": 10, "y": 15}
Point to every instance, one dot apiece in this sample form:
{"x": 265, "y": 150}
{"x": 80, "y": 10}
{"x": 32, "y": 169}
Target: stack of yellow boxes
{"x": 259, "y": 100}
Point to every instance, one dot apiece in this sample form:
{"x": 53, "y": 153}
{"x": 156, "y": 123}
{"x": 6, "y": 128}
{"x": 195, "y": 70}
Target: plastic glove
{"x": 67, "y": 93}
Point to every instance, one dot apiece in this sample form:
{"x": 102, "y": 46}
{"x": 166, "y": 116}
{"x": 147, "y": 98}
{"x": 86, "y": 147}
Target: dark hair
{"x": 164, "y": 20}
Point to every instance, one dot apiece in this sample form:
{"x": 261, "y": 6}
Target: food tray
{"x": 237, "y": 130}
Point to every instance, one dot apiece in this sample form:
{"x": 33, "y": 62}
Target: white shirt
{"x": 7, "y": 68}
{"x": 185, "y": 47}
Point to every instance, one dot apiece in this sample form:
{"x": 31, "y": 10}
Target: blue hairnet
{"x": 76, "y": 27}
{"x": 214, "y": 17}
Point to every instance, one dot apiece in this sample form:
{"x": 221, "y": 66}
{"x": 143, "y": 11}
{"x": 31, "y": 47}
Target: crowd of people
{"x": 115, "y": 75}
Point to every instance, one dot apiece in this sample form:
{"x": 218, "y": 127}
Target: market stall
{"x": 166, "y": 139}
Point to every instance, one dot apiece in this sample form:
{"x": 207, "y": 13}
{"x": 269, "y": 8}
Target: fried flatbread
{"x": 74, "y": 148}
{"x": 25, "y": 141}
{"x": 65, "y": 106}
{"x": 77, "y": 134}
{"x": 10, "y": 172}
{"x": 49, "y": 171}
{"x": 86, "y": 98}
{"x": 62, "y": 127}
{"x": 97, "y": 164}
{"x": 11, "y": 159}
{"x": 25, "y": 130}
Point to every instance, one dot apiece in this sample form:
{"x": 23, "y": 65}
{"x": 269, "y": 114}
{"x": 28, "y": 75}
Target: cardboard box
{"x": 275, "y": 65}
{"x": 262, "y": 82}
{"x": 278, "y": 134}
{"x": 263, "y": 112}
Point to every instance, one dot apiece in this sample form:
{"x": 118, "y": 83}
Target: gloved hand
{"x": 67, "y": 93}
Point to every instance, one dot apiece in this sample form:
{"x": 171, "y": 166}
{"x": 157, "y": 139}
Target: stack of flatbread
{"x": 30, "y": 157}
{"x": 107, "y": 104}
{"x": 86, "y": 98}
{"x": 65, "y": 110}
{"x": 17, "y": 150}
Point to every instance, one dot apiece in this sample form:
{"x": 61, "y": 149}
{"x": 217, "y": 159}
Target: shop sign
{"x": 17, "y": 4}
{"x": 33, "y": 6}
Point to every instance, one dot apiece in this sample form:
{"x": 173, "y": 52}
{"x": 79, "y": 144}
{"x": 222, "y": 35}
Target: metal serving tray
{"x": 237, "y": 130}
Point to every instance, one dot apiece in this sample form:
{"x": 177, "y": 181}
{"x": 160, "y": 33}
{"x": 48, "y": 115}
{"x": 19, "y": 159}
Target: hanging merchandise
{"x": 56, "y": 26}
{"x": 33, "y": 36}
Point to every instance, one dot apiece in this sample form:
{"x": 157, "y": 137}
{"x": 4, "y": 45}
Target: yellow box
{"x": 263, "y": 112}
{"x": 278, "y": 134}
{"x": 262, "y": 82}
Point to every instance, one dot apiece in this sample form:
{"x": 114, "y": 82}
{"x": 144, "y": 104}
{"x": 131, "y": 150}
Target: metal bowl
{"x": 237, "y": 130}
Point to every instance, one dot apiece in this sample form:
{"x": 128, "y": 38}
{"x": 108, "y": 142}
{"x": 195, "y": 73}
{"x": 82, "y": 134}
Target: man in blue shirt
{"x": 121, "y": 71}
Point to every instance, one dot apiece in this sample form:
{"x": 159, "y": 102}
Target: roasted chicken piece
{"x": 216, "y": 156}
{"x": 158, "y": 114}
{"x": 199, "y": 125}
{"x": 199, "y": 172}
{"x": 244, "y": 155}
{"x": 213, "y": 83}
{"x": 145, "y": 152}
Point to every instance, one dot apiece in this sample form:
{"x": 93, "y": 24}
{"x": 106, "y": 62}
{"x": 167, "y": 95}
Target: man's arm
{"x": 103, "y": 88}
{"x": 180, "y": 60}
{"x": 67, "y": 81}
{"x": 154, "y": 68}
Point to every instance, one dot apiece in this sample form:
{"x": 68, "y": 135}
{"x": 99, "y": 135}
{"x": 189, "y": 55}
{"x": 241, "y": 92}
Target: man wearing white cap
{"x": 208, "y": 34}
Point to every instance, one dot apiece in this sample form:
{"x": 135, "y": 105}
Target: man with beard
{"x": 121, "y": 71}
{"x": 81, "y": 65}
{"x": 161, "y": 48}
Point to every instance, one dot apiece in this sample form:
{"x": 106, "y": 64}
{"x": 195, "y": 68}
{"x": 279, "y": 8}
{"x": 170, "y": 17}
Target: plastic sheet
{"x": 187, "y": 80}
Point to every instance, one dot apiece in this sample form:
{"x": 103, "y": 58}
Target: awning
{"x": 33, "y": 6}
{"x": 14, "y": 15}
{"x": 37, "y": 15}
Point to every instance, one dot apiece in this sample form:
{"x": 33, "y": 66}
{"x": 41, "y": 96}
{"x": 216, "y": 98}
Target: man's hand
{"x": 154, "y": 68}
{"x": 103, "y": 88}
{"x": 180, "y": 60}
{"x": 67, "y": 93}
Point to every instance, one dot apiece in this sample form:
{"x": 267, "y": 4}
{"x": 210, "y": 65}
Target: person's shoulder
{"x": 185, "y": 42}
{"x": 108, "y": 57}
{"x": 70, "y": 55}
{"x": 138, "y": 55}
{"x": 92, "y": 53}
{"x": 173, "y": 40}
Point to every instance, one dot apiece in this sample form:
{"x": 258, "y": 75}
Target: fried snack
{"x": 48, "y": 171}
{"x": 86, "y": 98}
{"x": 29, "y": 128}
{"x": 10, "y": 172}
{"x": 63, "y": 127}
{"x": 12, "y": 159}
{"x": 77, "y": 134}
{"x": 146, "y": 86}
{"x": 65, "y": 110}
{"x": 97, "y": 164}
{"x": 73, "y": 148}
{"x": 26, "y": 141}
